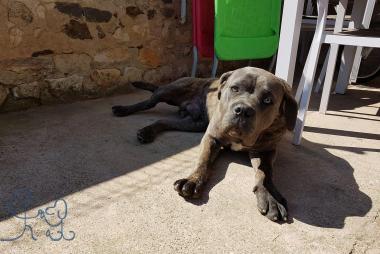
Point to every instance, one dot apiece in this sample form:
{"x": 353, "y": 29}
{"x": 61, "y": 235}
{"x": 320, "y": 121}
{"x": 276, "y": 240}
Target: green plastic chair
{"x": 246, "y": 29}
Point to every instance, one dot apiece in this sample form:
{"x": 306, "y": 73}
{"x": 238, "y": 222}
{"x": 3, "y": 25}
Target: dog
{"x": 248, "y": 109}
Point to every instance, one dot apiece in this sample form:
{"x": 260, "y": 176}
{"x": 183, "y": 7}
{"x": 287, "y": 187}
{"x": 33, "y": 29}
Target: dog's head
{"x": 251, "y": 100}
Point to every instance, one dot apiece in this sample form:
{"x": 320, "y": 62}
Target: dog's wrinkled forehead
{"x": 256, "y": 79}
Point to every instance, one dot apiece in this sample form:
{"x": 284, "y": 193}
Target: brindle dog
{"x": 248, "y": 109}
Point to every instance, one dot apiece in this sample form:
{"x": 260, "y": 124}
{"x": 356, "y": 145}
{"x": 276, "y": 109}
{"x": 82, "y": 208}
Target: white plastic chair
{"x": 361, "y": 18}
{"x": 336, "y": 38}
{"x": 308, "y": 20}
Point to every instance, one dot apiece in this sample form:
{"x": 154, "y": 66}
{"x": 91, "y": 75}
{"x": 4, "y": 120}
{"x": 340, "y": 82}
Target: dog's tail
{"x": 145, "y": 86}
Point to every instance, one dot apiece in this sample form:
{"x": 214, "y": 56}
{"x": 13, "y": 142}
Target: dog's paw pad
{"x": 270, "y": 207}
{"x": 121, "y": 111}
{"x": 118, "y": 111}
{"x": 145, "y": 136}
{"x": 188, "y": 188}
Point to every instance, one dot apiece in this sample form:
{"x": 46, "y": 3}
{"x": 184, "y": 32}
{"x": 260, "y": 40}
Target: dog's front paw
{"x": 120, "y": 111}
{"x": 189, "y": 187}
{"x": 145, "y": 135}
{"x": 274, "y": 210}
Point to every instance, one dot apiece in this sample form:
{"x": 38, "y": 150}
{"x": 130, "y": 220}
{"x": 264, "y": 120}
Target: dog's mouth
{"x": 239, "y": 128}
{"x": 234, "y": 133}
{"x": 241, "y": 123}
{"x": 239, "y": 137}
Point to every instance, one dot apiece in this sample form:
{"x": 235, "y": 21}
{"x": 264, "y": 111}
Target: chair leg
{"x": 356, "y": 65}
{"x": 195, "y": 61}
{"x": 361, "y": 17}
{"x": 329, "y": 78}
{"x": 321, "y": 76}
{"x": 214, "y": 66}
{"x": 345, "y": 69}
{"x": 359, "y": 52}
{"x": 299, "y": 89}
{"x": 272, "y": 62}
{"x": 183, "y": 11}
{"x": 341, "y": 12}
{"x": 309, "y": 7}
{"x": 289, "y": 38}
{"x": 306, "y": 83}
{"x": 301, "y": 84}
{"x": 330, "y": 61}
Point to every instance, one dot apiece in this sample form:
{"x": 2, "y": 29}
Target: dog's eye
{"x": 234, "y": 89}
{"x": 267, "y": 100}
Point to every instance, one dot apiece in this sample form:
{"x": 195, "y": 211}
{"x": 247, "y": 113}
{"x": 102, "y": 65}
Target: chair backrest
{"x": 203, "y": 27}
{"x": 246, "y": 29}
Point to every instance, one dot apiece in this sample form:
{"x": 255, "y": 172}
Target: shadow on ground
{"x": 52, "y": 152}
{"x": 320, "y": 188}
{"x": 353, "y": 99}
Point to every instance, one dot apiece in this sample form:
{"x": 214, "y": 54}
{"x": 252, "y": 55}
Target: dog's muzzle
{"x": 244, "y": 111}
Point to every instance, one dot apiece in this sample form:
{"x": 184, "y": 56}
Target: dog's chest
{"x": 235, "y": 146}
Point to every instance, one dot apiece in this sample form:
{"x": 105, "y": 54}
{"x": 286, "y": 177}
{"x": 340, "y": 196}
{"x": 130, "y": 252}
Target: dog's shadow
{"x": 320, "y": 187}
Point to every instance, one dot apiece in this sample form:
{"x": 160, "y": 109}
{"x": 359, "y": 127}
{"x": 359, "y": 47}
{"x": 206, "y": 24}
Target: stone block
{"x": 73, "y": 63}
{"x": 106, "y": 77}
{"x": 3, "y": 94}
{"x": 21, "y": 71}
{"x": 132, "y": 74}
{"x": 19, "y": 13}
{"x": 29, "y": 90}
{"x": 112, "y": 55}
{"x": 149, "y": 57}
{"x": 61, "y": 86}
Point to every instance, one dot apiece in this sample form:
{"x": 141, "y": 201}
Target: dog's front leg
{"x": 269, "y": 201}
{"x": 191, "y": 186}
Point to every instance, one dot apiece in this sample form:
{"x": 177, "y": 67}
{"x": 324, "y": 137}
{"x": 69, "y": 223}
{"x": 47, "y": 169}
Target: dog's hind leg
{"x": 175, "y": 93}
{"x": 148, "y": 133}
{"x": 144, "y": 105}
{"x": 159, "y": 95}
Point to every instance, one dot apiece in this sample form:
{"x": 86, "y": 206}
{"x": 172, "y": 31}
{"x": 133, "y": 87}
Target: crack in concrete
{"x": 368, "y": 246}
{"x": 365, "y": 245}
{"x": 352, "y": 250}
{"x": 376, "y": 216}
{"x": 277, "y": 236}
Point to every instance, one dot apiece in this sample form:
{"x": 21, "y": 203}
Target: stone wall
{"x": 59, "y": 51}
{"x": 52, "y": 51}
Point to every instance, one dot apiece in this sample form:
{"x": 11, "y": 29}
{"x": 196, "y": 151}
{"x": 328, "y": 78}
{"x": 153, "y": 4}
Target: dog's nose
{"x": 245, "y": 111}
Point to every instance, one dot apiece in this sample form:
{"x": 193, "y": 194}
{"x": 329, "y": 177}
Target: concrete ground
{"x": 120, "y": 198}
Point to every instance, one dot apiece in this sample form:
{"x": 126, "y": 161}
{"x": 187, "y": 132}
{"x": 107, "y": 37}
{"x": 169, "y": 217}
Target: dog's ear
{"x": 222, "y": 81}
{"x": 289, "y": 107}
